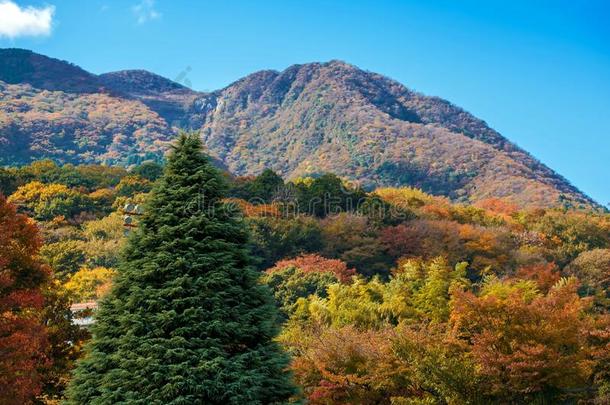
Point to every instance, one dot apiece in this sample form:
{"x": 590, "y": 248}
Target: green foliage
{"x": 65, "y": 341}
{"x": 418, "y": 291}
{"x": 89, "y": 177}
{"x": 438, "y": 285}
{"x": 363, "y": 304}
{"x": 150, "y": 170}
{"x": 569, "y": 235}
{"x": 428, "y": 336}
{"x": 433, "y": 285}
{"x": 263, "y": 188}
{"x": 9, "y": 181}
{"x": 326, "y": 195}
{"x": 186, "y": 320}
{"x": 291, "y": 283}
{"x": 64, "y": 257}
{"x": 276, "y": 238}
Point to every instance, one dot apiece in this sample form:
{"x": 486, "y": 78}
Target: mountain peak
{"x": 22, "y": 66}
{"x": 138, "y": 81}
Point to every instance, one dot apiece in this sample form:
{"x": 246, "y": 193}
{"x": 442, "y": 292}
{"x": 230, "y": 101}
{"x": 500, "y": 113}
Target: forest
{"x": 308, "y": 290}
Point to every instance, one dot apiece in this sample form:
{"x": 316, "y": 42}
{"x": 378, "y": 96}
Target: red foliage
{"x": 23, "y": 337}
{"x": 315, "y": 263}
{"x": 545, "y": 275}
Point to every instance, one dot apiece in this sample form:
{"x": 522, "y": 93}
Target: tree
{"x": 431, "y": 299}
{"x": 104, "y": 239}
{"x": 593, "y": 269}
{"x": 86, "y": 284}
{"x": 546, "y": 275}
{"x": 528, "y": 346}
{"x": 65, "y": 340}
{"x": 317, "y": 264}
{"x": 186, "y": 320}
{"x": 103, "y": 199}
{"x": 148, "y": 170}
{"x": 23, "y": 336}
{"x": 481, "y": 247}
{"x": 276, "y": 238}
{"x": 260, "y": 189}
{"x": 304, "y": 276}
{"x": 569, "y": 233}
{"x": 349, "y": 366}
{"x": 64, "y": 257}
{"x": 353, "y": 239}
{"x": 9, "y": 181}
{"x": 326, "y": 195}
{"x": 266, "y": 185}
{"x": 47, "y": 201}
{"x": 130, "y": 185}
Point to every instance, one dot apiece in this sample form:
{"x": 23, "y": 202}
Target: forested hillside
{"x": 387, "y": 296}
{"x": 304, "y": 121}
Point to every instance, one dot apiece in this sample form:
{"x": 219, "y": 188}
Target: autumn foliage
{"x": 393, "y": 296}
{"x": 315, "y": 263}
{"x": 23, "y": 337}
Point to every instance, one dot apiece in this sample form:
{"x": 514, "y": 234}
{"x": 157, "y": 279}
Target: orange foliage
{"x": 478, "y": 245}
{"x": 546, "y": 275}
{"x": 526, "y": 346}
{"x": 498, "y": 206}
{"x": 349, "y": 366}
{"x": 252, "y": 210}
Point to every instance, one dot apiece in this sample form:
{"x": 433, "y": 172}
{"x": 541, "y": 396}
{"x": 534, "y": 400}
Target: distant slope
{"x": 306, "y": 120}
{"x": 335, "y": 117}
{"x": 169, "y": 99}
{"x": 20, "y": 66}
{"x": 77, "y": 128}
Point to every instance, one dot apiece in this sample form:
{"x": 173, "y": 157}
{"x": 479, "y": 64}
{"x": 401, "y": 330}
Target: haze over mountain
{"x": 305, "y": 120}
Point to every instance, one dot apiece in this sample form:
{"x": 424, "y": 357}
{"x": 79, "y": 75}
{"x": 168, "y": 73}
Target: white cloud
{"x": 145, "y": 11}
{"x": 16, "y": 21}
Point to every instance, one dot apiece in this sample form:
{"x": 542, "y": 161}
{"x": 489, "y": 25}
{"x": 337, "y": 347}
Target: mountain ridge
{"x": 304, "y": 120}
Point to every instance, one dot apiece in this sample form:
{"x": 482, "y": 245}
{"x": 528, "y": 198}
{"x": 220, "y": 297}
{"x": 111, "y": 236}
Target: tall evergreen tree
{"x": 186, "y": 321}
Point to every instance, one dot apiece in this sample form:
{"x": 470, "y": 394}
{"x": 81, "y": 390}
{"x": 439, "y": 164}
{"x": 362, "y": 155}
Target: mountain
{"x": 305, "y": 120}
{"x": 169, "y": 99}
{"x": 23, "y": 66}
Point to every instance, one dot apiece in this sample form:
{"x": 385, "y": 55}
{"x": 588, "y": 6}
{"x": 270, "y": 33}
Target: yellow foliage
{"x": 46, "y": 201}
{"x": 88, "y": 284}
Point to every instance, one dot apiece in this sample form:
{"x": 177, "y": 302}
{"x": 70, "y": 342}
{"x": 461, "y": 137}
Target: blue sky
{"x": 536, "y": 71}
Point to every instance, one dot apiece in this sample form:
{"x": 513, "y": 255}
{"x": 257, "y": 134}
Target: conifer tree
{"x": 186, "y": 321}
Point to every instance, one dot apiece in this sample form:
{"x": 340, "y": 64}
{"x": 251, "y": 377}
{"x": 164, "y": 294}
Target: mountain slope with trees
{"x": 306, "y": 120}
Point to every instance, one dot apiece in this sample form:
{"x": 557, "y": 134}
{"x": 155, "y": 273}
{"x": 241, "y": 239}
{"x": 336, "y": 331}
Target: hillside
{"x": 23, "y": 66}
{"x": 306, "y": 120}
